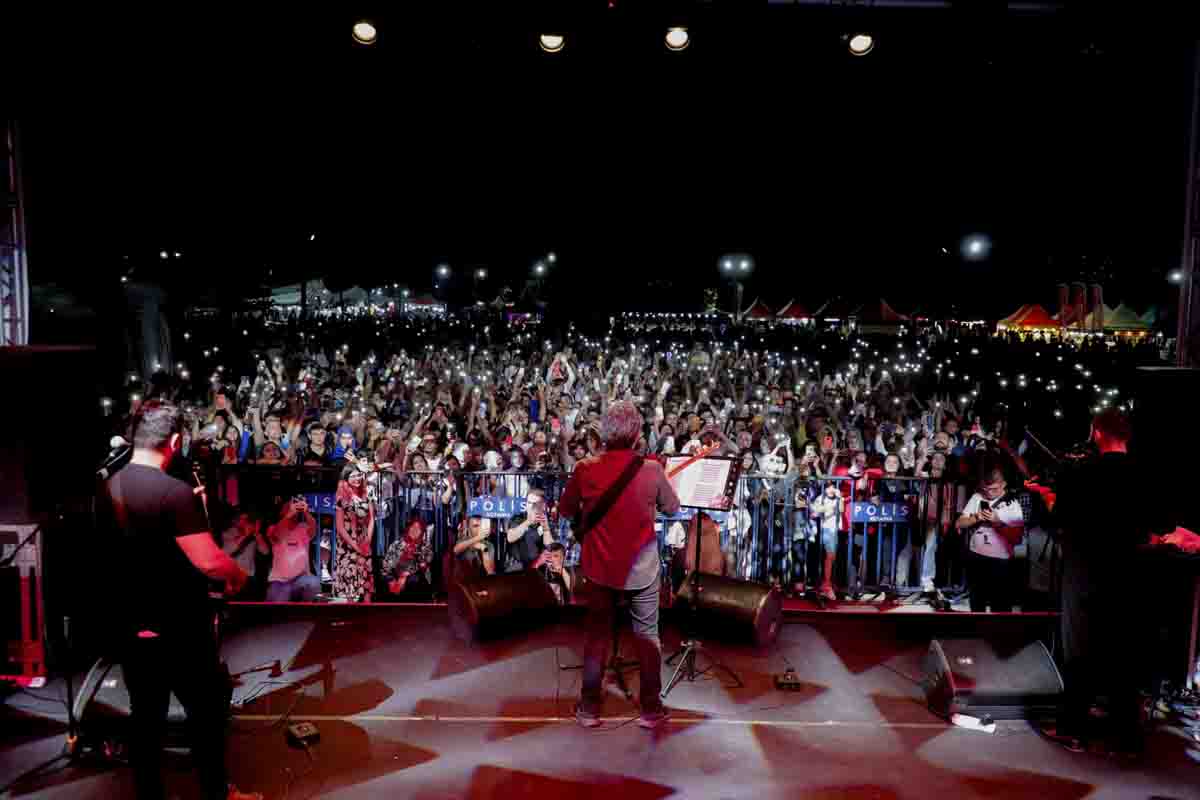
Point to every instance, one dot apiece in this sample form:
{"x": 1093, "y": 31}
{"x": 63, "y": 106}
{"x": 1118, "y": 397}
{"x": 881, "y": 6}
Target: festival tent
{"x": 1014, "y": 319}
{"x": 1151, "y": 316}
{"x": 1036, "y": 318}
{"x": 837, "y": 310}
{"x": 793, "y": 312}
{"x": 878, "y": 317}
{"x": 879, "y": 313}
{"x": 757, "y": 310}
{"x": 1124, "y": 318}
{"x": 1090, "y": 321}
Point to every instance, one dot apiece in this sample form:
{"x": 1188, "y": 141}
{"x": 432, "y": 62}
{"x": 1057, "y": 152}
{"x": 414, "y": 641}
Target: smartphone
{"x": 985, "y": 506}
{"x": 554, "y": 426}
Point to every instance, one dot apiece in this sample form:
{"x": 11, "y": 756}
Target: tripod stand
{"x": 690, "y": 648}
{"x": 616, "y": 665}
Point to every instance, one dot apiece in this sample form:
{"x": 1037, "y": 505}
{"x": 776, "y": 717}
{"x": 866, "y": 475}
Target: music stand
{"x": 691, "y": 648}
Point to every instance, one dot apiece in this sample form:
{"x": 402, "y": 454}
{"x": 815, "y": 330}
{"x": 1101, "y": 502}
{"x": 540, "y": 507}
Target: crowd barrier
{"x": 886, "y": 533}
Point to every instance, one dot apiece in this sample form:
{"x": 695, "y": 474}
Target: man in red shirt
{"x": 620, "y": 557}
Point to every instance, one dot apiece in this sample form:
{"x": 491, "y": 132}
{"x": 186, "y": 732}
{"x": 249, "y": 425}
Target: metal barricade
{"x": 885, "y": 533}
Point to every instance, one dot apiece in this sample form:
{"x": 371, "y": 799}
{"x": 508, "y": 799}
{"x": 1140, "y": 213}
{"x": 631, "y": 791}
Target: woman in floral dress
{"x": 352, "y": 578}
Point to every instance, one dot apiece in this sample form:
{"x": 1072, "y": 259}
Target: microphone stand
{"x": 691, "y": 647}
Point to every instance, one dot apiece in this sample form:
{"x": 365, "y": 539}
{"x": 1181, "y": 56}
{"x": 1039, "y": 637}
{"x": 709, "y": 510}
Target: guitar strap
{"x": 608, "y": 499}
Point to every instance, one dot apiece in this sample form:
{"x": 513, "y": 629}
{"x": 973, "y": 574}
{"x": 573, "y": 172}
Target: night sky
{"x": 455, "y": 140}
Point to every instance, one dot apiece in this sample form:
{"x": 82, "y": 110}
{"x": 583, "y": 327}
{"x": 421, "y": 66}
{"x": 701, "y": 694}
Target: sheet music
{"x": 702, "y": 484}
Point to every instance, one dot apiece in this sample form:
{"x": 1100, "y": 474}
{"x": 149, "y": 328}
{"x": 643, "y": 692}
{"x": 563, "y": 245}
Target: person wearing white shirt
{"x": 994, "y": 525}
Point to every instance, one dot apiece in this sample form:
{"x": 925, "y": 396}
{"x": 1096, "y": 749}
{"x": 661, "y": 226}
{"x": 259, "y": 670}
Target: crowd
{"x": 409, "y": 418}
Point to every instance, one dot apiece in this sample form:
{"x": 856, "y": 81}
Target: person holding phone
{"x": 995, "y": 525}
{"x": 528, "y": 536}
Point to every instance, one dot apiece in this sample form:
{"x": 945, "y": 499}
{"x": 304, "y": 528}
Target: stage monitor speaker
{"x": 489, "y": 606}
{"x": 983, "y": 679}
{"x": 1162, "y": 435}
{"x": 736, "y": 609}
{"x": 102, "y": 709}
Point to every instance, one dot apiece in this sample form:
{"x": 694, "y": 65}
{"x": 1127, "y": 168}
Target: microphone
{"x": 118, "y": 457}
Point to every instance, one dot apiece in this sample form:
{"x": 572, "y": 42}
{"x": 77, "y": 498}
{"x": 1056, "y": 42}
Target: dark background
{"x": 232, "y": 135}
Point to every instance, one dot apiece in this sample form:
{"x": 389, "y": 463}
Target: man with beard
{"x": 165, "y": 556}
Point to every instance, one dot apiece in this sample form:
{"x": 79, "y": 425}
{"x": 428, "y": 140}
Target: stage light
{"x": 539, "y": 268}
{"x": 861, "y": 43}
{"x": 365, "y": 32}
{"x": 1176, "y": 276}
{"x": 162, "y": 254}
{"x": 443, "y": 271}
{"x": 976, "y": 247}
{"x": 744, "y": 265}
{"x": 551, "y": 257}
{"x": 552, "y": 42}
{"x": 678, "y": 38}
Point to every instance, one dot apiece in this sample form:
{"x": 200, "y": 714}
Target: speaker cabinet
{"x": 1164, "y": 436}
{"x": 981, "y": 679}
{"x": 55, "y": 436}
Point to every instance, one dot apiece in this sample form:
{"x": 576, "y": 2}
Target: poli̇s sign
{"x": 495, "y": 507}
{"x": 879, "y": 512}
{"x": 321, "y": 502}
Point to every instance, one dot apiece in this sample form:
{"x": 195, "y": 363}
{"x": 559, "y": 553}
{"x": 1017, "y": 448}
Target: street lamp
{"x": 737, "y": 267}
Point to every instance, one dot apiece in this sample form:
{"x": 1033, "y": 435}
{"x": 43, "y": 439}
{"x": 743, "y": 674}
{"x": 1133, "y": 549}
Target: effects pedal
{"x": 789, "y": 681}
{"x": 303, "y": 734}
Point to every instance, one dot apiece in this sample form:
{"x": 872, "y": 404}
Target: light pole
{"x": 441, "y": 274}
{"x": 737, "y": 267}
{"x": 480, "y": 276}
{"x": 539, "y": 273}
{"x": 403, "y": 300}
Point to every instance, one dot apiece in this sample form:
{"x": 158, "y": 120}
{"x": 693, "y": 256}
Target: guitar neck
{"x": 698, "y": 455}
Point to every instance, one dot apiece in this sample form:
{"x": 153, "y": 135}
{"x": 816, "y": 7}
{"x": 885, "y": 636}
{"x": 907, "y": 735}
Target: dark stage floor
{"x": 410, "y": 712}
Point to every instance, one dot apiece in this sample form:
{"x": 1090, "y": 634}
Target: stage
{"x": 406, "y": 710}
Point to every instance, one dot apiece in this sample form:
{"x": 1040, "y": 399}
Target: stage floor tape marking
{"x": 671, "y": 721}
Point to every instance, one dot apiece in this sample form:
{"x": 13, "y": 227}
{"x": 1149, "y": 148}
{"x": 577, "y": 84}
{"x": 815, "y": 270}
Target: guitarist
{"x": 614, "y": 496}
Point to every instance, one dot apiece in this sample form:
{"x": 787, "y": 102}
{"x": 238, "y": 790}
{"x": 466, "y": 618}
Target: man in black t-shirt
{"x": 1100, "y": 531}
{"x": 164, "y": 638}
{"x": 528, "y": 534}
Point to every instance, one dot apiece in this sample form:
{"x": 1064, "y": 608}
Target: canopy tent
{"x": 879, "y": 313}
{"x": 1036, "y": 318}
{"x": 793, "y": 312}
{"x": 1151, "y": 316}
{"x": 757, "y": 310}
{"x": 1013, "y": 319}
{"x": 837, "y": 310}
{"x": 1124, "y": 318}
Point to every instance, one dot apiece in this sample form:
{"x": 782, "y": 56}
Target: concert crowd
{"x": 411, "y": 416}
